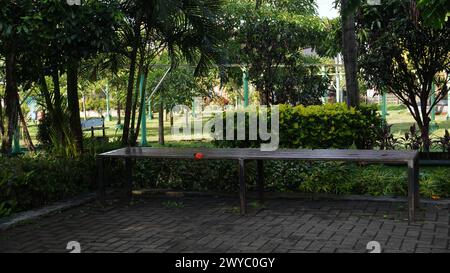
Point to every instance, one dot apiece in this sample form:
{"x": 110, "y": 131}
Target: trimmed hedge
{"x": 319, "y": 127}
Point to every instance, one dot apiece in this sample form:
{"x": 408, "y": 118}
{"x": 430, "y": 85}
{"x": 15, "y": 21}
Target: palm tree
{"x": 187, "y": 29}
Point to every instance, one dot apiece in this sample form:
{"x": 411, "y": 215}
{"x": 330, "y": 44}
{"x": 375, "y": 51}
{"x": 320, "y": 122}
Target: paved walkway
{"x": 207, "y": 224}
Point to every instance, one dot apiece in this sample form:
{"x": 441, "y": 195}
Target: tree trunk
{"x": 119, "y": 110}
{"x": 425, "y": 130}
{"x": 426, "y": 121}
{"x": 11, "y": 102}
{"x": 161, "y": 124}
{"x": 46, "y": 95}
{"x": 2, "y": 127}
{"x": 57, "y": 91}
{"x": 263, "y": 97}
{"x": 56, "y": 116}
{"x": 26, "y": 133}
{"x": 134, "y": 132}
{"x": 73, "y": 103}
{"x": 129, "y": 98}
{"x": 141, "y": 105}
{"x": 258, "y": 4}
{"x": 350, "y": 53}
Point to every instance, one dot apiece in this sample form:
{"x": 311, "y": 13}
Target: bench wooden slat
{"x": 95, "y": 129}
{"x": 256, "y": 154}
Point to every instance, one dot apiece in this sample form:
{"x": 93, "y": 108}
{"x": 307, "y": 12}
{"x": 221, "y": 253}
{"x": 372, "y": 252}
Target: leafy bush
{"x": 435, "y": 183}
{"x": 319, "y": 127}
{"x": 444, "y": 142}
{"x": 289, "y": 176}
{"x": 386, "y": 139}
{"x": 187, "y": 175}
{"x": 412, "y": 140}
{"x": 33, "y": 181}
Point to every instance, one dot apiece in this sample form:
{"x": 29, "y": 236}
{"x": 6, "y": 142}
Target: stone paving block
{"x": 209, "y": 225}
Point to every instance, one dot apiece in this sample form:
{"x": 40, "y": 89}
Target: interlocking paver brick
{"x": 206, "y": 224}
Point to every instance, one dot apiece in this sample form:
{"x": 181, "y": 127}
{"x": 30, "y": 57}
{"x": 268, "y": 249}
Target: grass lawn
{"x": 400, "y": 118}
{"x": 402, "y": 121}
{"x": 152, "y": 133}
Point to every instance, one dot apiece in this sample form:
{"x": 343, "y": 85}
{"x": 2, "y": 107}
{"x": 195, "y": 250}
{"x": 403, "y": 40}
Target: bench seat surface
{"x": 257, "y": 154}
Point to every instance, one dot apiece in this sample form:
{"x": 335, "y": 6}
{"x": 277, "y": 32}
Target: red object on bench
{"x": 199, "y": 156}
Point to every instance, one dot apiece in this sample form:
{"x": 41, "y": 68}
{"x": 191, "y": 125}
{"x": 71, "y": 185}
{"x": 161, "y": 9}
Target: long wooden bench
{"x": 410, "y": 159}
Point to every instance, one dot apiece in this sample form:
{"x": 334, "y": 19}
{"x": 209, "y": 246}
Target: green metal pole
{"x": 245, "y": 79}
{"x": 384, "y": 111}
{"x": 143, "y": 117}
{"x": 108, "y": 110}
{"x": 433, "y": 125}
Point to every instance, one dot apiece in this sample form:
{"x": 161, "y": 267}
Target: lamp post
{"x": 108, "y": 110}
{"x": 338, "y": 61}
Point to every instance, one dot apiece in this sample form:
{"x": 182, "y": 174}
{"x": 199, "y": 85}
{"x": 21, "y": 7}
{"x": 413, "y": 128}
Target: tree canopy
{"x": 401, "y": 54}
{"x": 271, "y": 42}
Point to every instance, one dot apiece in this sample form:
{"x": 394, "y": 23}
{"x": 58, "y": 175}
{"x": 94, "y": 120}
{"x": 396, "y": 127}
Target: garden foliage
{"x": 320, "y": 127}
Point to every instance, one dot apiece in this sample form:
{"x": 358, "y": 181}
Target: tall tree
{"x": 11, "y": 99}
{"x": 13, "y": 38}
{"x": 89, "y": 30}
{"x": 404, "y": 56}
{"x": 350, "y": 50}
{"x": 130, "y": 33}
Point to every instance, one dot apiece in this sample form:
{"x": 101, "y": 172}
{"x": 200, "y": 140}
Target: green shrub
{"x": 319, "y": 127}
{"x": 187, "y": 175}
{"x": 289, "y": 176}
{"x": 378, "y": 180}
{"x": 435, "y": 183}
{"x": 34, "y": 181}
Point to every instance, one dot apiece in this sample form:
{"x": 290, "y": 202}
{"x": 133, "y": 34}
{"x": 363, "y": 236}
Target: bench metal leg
{"x": 129, "y": 177}
{"x": 101, "y": 177}
{"x": 413, "y": 189}
{"x": 260, "y": 178}
{"x": 242, "y": 189}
